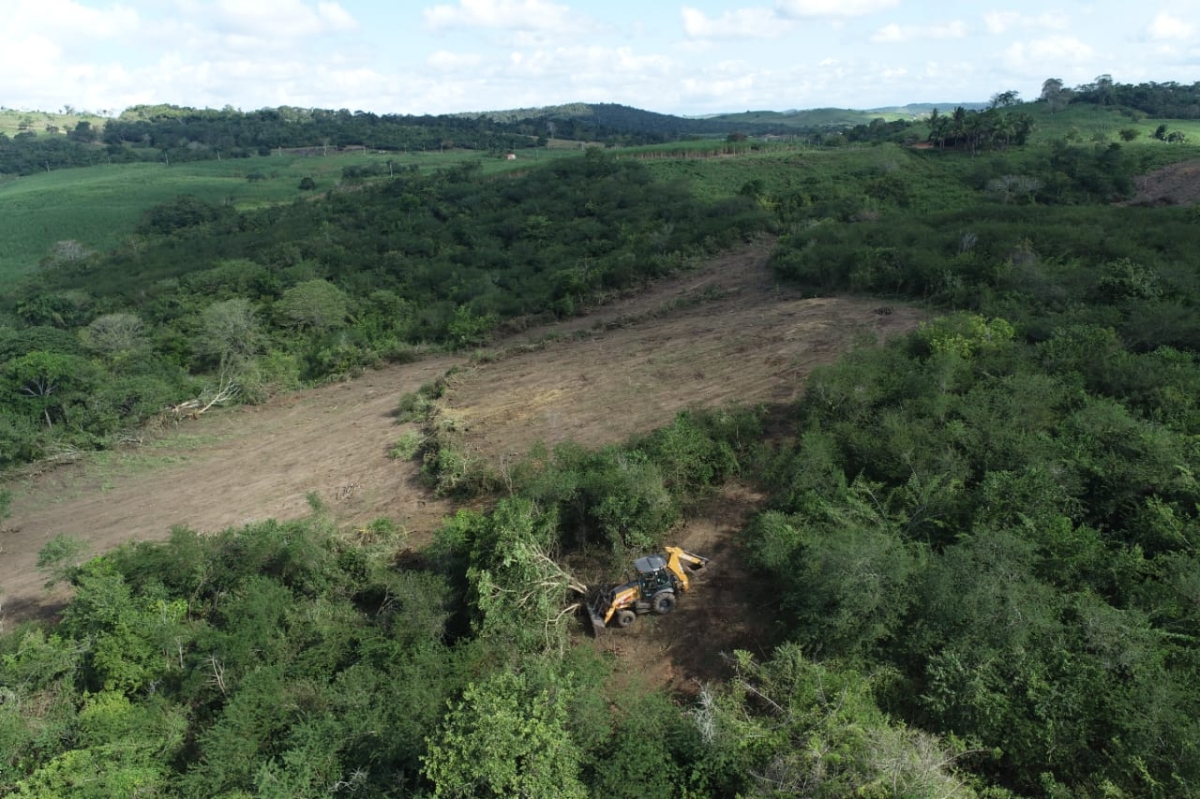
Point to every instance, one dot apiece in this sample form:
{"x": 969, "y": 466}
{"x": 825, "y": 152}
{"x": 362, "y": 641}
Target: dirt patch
{"x": 725, "y": 332}
{"x": 1177, "y": 184}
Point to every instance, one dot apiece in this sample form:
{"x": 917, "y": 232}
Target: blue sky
{"x": 695, "y": 57}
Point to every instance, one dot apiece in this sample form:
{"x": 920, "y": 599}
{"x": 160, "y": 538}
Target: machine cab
{"x": 653, "y": 575}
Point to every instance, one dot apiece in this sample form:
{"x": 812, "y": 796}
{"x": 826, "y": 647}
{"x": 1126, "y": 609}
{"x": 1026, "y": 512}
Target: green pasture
{"x": 11, "y": 121}
{"x": 814, "y": 117}
{"x": 930, "y": 182}
{"x": 100, "y": 206}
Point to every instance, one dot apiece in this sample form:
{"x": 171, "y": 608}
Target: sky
{"x": 691, "y": 58}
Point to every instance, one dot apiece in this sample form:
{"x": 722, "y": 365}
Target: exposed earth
{"x": 721, "y": 333}
{"x": 1175, "y": 184}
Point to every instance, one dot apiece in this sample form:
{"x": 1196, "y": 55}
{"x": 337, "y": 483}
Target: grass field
{"x": 11, "y": 121}
{"x": 99, "y": 206}
{"x": 814, "y": 117}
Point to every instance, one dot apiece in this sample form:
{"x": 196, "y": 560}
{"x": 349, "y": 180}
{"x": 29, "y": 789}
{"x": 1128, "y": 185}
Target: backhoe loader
{"x": 655, "y": 586}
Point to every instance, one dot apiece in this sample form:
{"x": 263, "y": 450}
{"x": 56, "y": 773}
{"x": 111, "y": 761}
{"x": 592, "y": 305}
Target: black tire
{"x": 663, "y": 603}
{"x": 624, "y": 618}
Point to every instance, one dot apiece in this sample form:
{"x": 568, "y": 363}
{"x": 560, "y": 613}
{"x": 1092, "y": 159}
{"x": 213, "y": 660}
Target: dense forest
{"x": 976, "y": 557}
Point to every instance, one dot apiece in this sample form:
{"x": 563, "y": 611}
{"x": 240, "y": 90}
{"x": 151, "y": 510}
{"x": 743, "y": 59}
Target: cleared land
{"x": 721, "y": 333}
{"x": 1177, "y": 184}
{"x": 724, "y": 334}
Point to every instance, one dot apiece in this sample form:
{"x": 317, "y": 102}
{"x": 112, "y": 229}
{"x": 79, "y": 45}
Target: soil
{"x": 724, "y": 334}
{"x": 721, "y": 333}
{"x": 1176, "y": 184}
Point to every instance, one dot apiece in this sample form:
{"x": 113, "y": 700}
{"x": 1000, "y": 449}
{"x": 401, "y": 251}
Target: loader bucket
{"x": 597, "y": 607}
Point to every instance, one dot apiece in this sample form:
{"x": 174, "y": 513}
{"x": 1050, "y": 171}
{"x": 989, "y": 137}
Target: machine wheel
{"x": 663, "y": 603}
{"x": 624, "y": 618}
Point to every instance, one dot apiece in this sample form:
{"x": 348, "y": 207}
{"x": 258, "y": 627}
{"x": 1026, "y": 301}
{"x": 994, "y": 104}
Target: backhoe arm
{"x": 676, "y": 557}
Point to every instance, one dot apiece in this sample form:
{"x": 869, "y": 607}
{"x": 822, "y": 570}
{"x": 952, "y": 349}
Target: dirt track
{"x": 722, "y": 333}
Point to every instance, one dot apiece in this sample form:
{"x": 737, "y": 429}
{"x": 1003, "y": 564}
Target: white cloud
{"x": 583, "y": 60}
{"x": 1166, "y": 27}
{"x": 69, "y": 18}
{"x": 1004, "y": 21}
{"x": 502, "y": 14}
{"x": 742, "y": 23}
{"x": 796, "y": 9}
{"x": 271, "y": 19}
{"x": 453, "y": 62}
{"x": 908, "y": 33}
{"x": 1031, "y": 56}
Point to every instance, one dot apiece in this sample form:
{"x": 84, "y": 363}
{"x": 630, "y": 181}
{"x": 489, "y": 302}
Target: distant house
{"x": 510, "y": 156}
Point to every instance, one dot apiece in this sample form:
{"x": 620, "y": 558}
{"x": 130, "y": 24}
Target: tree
{"x": 805, "y": 729}
{"x": 83, "y": 132}
{"x": 1129, "y": 134}
{"x": 506, "y": 737}
{"x": 307, "y": 184}
{"x": 230, "y": 331}
{"x": 114, "y": 336}
{"x": 66, "y": 253}
{"x": 316, "y": 305}
{"x": 522, "y": 595}
{"x": 51, "y": 381}
{"x": 1005, "y": 99}
{"x": 1053, "y": 94}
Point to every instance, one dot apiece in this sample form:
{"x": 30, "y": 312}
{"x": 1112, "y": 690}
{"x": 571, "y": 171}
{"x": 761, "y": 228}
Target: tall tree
{"x": 1053, "y": 93}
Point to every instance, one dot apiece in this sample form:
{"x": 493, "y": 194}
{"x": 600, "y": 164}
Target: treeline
{"x": 1168, "y": 100}
{"x": 28, "y": 153}
{"x": 206, "y": 300}
{"x": 988, "y": 129}
{"x": 195, "y": 133}
{"x": 175, "y": 134}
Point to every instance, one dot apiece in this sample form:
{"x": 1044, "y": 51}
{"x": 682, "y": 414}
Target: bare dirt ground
{"x": 724, "y": 332}
{"x": 1176, "y": 184}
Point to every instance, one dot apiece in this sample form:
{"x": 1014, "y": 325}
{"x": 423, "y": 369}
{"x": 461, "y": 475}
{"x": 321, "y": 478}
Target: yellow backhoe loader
{"x": 654, "y": 588}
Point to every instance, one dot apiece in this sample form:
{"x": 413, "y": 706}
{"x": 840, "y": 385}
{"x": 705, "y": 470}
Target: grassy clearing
{"x": 815, "y": 117}
{"x": 100, "y": 206}
{"x": 13, "y": 122}
{"x": 787, "y": 170}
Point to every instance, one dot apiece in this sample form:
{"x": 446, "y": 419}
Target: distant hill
{"x": 605, "y": 120}
{"x": 923, "y": 109}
